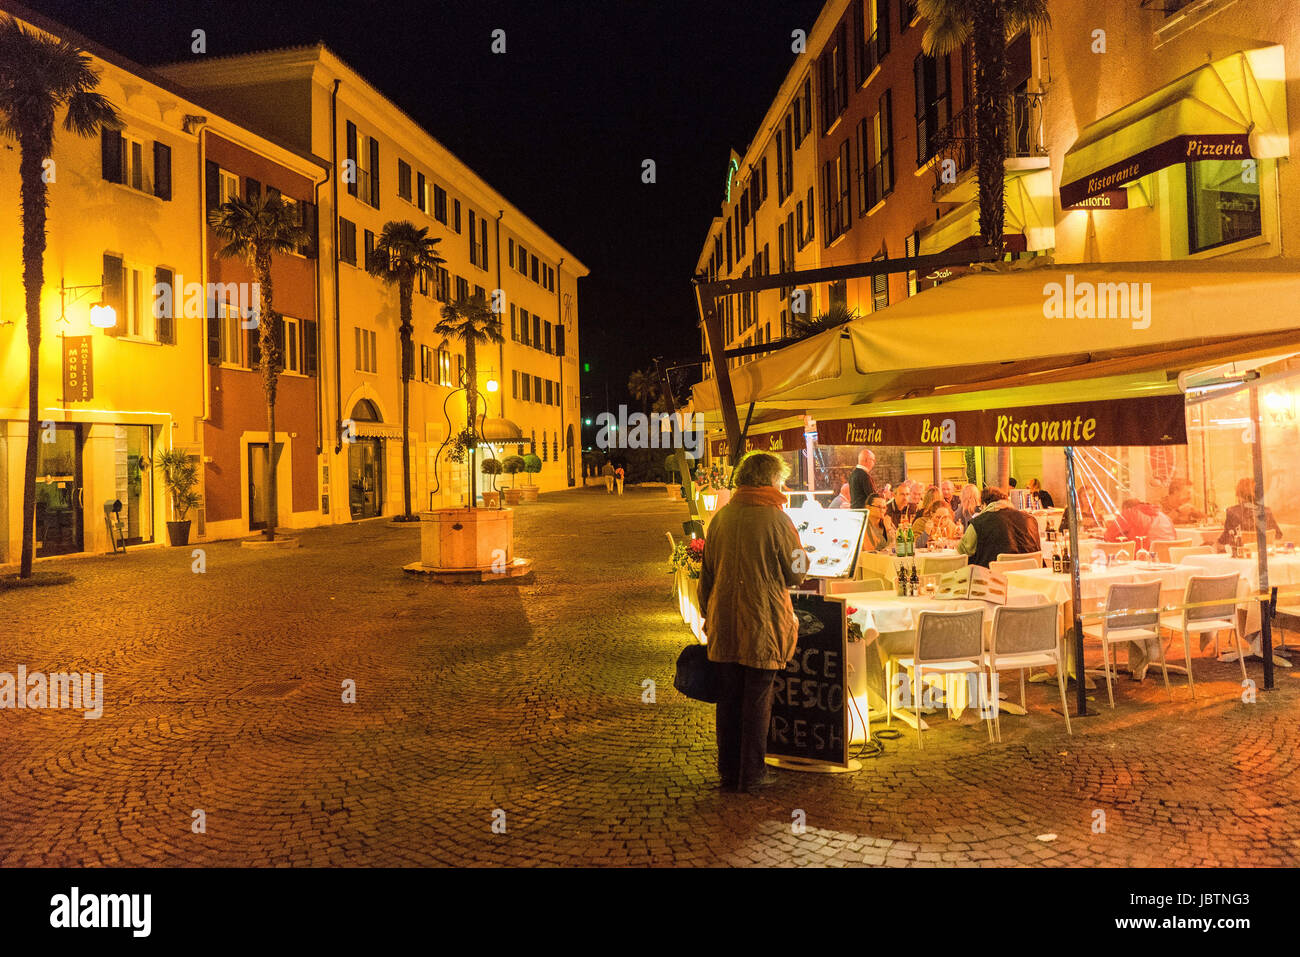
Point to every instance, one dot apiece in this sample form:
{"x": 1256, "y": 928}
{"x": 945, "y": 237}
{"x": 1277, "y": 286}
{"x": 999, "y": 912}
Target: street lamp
{"x": 492, "y": 385}
{"x": 102, "y": 315}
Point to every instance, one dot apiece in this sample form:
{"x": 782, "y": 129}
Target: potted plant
{"x": 674, "y": 477}
{"x": 180, "y": 475}
{"x": 493, "y": 468}
{"x": 512, "y": 465}
{"x": 532, "y": 465}
{"x": 712, "y": 481}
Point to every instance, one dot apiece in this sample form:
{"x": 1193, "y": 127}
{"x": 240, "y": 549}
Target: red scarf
{"x": 758, "y": 495}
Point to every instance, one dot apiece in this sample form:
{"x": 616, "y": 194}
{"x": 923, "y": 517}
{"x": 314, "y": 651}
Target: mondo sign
{"x": 78, "y": 378}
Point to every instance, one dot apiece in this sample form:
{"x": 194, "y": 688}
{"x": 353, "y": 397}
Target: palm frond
{"x": 256, "y": 228}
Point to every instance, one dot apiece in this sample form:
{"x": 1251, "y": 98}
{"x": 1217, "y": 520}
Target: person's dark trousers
{"x": 744, "y": 713}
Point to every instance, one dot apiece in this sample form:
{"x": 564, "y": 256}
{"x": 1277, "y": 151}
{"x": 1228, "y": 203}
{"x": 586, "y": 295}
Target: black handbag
{"x": 696, "y": 676}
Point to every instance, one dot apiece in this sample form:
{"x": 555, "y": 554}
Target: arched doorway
{"x": 568, "y": 445}
{"x": 365, "y": 465}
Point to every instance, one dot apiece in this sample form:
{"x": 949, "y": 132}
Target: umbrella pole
{"x": 1080, "y": 684}
{"x": 1261, "y": 540}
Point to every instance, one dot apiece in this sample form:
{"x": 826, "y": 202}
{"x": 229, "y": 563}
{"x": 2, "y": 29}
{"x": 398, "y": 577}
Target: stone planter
{"x": 491, "y": 499}
{"x": 512, "y": 495}
{"x": 468, "y": 545}
{"x": 528, "y": 493}
{"x": 675, "y": 493}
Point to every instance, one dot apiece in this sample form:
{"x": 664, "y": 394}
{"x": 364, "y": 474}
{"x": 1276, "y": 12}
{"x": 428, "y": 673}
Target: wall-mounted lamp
{"x": 102, "y": 315}
{"x": 493, "y": 385}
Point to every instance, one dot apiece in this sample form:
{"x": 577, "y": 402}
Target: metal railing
{"x": 956, "y": 141}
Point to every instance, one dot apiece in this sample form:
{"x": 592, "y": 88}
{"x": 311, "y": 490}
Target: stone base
{"x": 518, "y": 568}
{"x": 277, "y": 542}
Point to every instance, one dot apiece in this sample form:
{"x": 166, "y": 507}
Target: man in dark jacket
{"x": 861, "y": 488}
{"x": 1000, "y": 529}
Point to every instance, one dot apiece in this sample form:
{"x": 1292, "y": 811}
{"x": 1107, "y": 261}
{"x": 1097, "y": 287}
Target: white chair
{"x": 1022, "y": 556}
{"x": 1018, "y": 563}
{"x": 1176, "y": 555}
{"x": 947, "y": 642}
{"x": 1143, "y": 624}
{"x": 1162, "y": 548}
{"x": 1212, "y": 618}
{"x": 1026, "y": 636}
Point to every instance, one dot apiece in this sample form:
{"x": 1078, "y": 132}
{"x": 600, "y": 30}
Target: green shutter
{"x": 162, "y": 170}
{"x": 110, "y": 143}
{"x": 114, "y": 293}
{"x": 164, "y": 325}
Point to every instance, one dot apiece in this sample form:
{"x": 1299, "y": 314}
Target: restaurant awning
{"x": 1040, "y": 326}
{"x": 1029, "y": 220}
{"x": 1231, "y": 108}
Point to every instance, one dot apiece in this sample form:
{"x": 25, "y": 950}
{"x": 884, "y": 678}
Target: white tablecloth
{"x": 1198, "y": 534}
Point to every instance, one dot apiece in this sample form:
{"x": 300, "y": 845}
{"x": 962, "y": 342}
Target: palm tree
{"x": 472, "y": 322}
{"x": 641, "y": 386}
{"x": 802, "y": 327}
{"x": 39, "y": 76}
{"x": 254, "y": 231}
{"x": 989, "y": 23}
{"x": 404, "y": 253}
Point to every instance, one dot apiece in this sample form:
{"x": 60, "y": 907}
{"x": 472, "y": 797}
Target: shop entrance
{"x": 569, "y": 454}
{"x": 365, "y": 478}
{"x": 133, "y": 480}
{"x": 60, "y": 510}
{"x": 259, "y": 485}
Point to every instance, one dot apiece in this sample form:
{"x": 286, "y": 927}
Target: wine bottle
{"x": 901, "y": 581}
{"x": 1056, "y": 558}
{"x": 915, "y": 583}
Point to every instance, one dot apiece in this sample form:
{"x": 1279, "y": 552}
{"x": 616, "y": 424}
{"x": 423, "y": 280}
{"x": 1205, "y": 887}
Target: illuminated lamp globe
{"x": 103, "y": 316}
{"x": 492, "y": 385}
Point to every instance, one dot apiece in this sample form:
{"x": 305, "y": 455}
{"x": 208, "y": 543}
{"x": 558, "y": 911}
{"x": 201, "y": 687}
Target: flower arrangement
{"x": 688, "y": 556}
{"x": 464, "y": 441}
{"x": 711, "y": 478}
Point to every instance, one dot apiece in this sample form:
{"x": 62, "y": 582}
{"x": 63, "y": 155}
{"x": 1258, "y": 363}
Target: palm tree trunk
{"x": 404, "y": 295}
{"x": 471, "y": 410}
{"x": 33, "y": 201}
{"x": 267, "y": 366}
{"x": 989, "y": 36}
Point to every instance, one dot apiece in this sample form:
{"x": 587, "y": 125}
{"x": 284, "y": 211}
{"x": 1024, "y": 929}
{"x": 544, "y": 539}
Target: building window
{"x": 835, "y": 78}
{"x": 473, "y": 238}
{"x": 366, "y": 341}
{"x": 546, "y": 330}
{"x": 404, "y": 180}
{"x": 523, "y": 261}
{"x": 291, "y": 345}
{"x": 812, "y": 217}
{"x": 444, "y": 368}
{"x": 440, "y": 204}
{"x": 524, "y": 336}
{"x": 462, "y": 287}
{"x": 455, "y": 215}
{"x": 514, "y": 384}
{"x": 228, "y": 187}
{"x": 369, "y": 248}
{"x": 233, "y": 340}
{"x": 932, "y": 80}
{"x": 537, "y": 388}
{"x": 510, "y": 253}
{"x": 426, "y": 364}
{"x": 347, "y": 241}
{"x": 442, "y": 284}
{"x": 1221, "y": 207}
{"x": 876, "y": 155}
{"x": 534, "y": 268}
{"x": 879, "y": 287}
{"x": 421, "y": 192}
{"x": 526, "y": 380}
{"x": 537, "y": 332}
{"x": 837, "y": 190}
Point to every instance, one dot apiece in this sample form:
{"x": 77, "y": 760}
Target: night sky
{"x": 559, "y": 124}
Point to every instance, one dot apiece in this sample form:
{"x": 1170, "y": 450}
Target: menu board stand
{"x": 810, "y": 726}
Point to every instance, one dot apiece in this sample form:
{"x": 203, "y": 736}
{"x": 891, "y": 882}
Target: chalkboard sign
{"x": 810, "y": 720}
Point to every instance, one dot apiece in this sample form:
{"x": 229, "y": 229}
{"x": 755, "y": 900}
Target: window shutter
{"x": 164, "y": 325}
{"x": 482, "y": 229}
{"x": 254, "y": 350}
{"x": 214, "y": 332}
{"x": 309, "y": 354}
{"x": 252, "y": 189}
{"x": 559, "y": 340}
{"x": 212, "y": 185}
{"x": 110, "y": 144}
{"x": 162, "y": 170}
{"x": 114, "y": 294}
{"x": 273, "y": 194}
{"x": 309, "y": 220}
{"x": 374, "y": 172}
{"x": 351, "y": 139}
{"x": 421, "y": 194}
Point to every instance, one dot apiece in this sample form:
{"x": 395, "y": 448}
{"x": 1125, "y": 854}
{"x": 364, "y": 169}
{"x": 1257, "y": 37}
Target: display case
{"x": 832, "y": 537}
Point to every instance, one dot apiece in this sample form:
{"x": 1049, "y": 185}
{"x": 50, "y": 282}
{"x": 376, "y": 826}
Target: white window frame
{"x": 292, "y": 357}
{"x": 365, "y": 342}
{"x": 232, "y": 336}
{"x": 137, "y": 302}
{"x": 130, "y": 169}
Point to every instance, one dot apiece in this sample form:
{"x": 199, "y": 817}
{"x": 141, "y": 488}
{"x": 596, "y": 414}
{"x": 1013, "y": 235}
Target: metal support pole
{"x": 1081, "y": 691}
{"x": 1261, "y": 539}
{"x": 708, "y": 306}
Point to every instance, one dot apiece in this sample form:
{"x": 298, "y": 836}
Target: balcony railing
{"x": 956, "y": 141}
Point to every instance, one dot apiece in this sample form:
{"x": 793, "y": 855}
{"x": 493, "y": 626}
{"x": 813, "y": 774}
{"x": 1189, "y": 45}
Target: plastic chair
{"x": 1142, "y": 624}
{"x": 1162, "y": 548}
{"x": 1018, "y": 563}
{"x": 1026, "y": 636}
{"x": 947, "y": 642}
{"x": 1022, "y": 556}
{"x": 1176, "y": 555}
{"x": 1213, "y": 618}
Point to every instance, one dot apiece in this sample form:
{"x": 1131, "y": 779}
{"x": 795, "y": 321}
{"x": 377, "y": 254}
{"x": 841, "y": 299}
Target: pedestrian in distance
{"x": 618, "y": 479}
{"x": 608, "y": 473}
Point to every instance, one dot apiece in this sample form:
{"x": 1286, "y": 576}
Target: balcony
{"x": 1026, "y": 140}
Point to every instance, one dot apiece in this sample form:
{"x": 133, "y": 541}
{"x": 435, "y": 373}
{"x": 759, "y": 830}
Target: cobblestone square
{"x": 224, "y": 693}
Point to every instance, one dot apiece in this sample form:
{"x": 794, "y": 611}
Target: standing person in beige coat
{"x": 751, "y": 558}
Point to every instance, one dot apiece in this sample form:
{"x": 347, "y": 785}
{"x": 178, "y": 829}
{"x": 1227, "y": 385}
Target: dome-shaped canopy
{"x": 501, "y": 431}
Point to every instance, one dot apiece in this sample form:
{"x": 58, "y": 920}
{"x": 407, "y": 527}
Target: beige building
{"x": 316, "y": 102}
{"x": 126, "y": 212}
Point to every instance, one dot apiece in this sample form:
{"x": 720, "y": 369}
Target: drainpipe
{"x": 334, "y": 255}
{"x": 205, "y": 376}
{"x": 559, "y": 318}
{"x": 501, "y": 346}
{"x": 320, "y": 377}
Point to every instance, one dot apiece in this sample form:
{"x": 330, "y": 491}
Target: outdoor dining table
{"x": 888, "y": 624}
{"x": 1283, "y": 569}
{"x": 884, "y": 565}
{"x": 1198, "y": 534}
{"x": 1093, "y": 584}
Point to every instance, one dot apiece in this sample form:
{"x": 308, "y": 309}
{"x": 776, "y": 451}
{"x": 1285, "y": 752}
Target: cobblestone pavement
{"x": 527, "y": 697}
